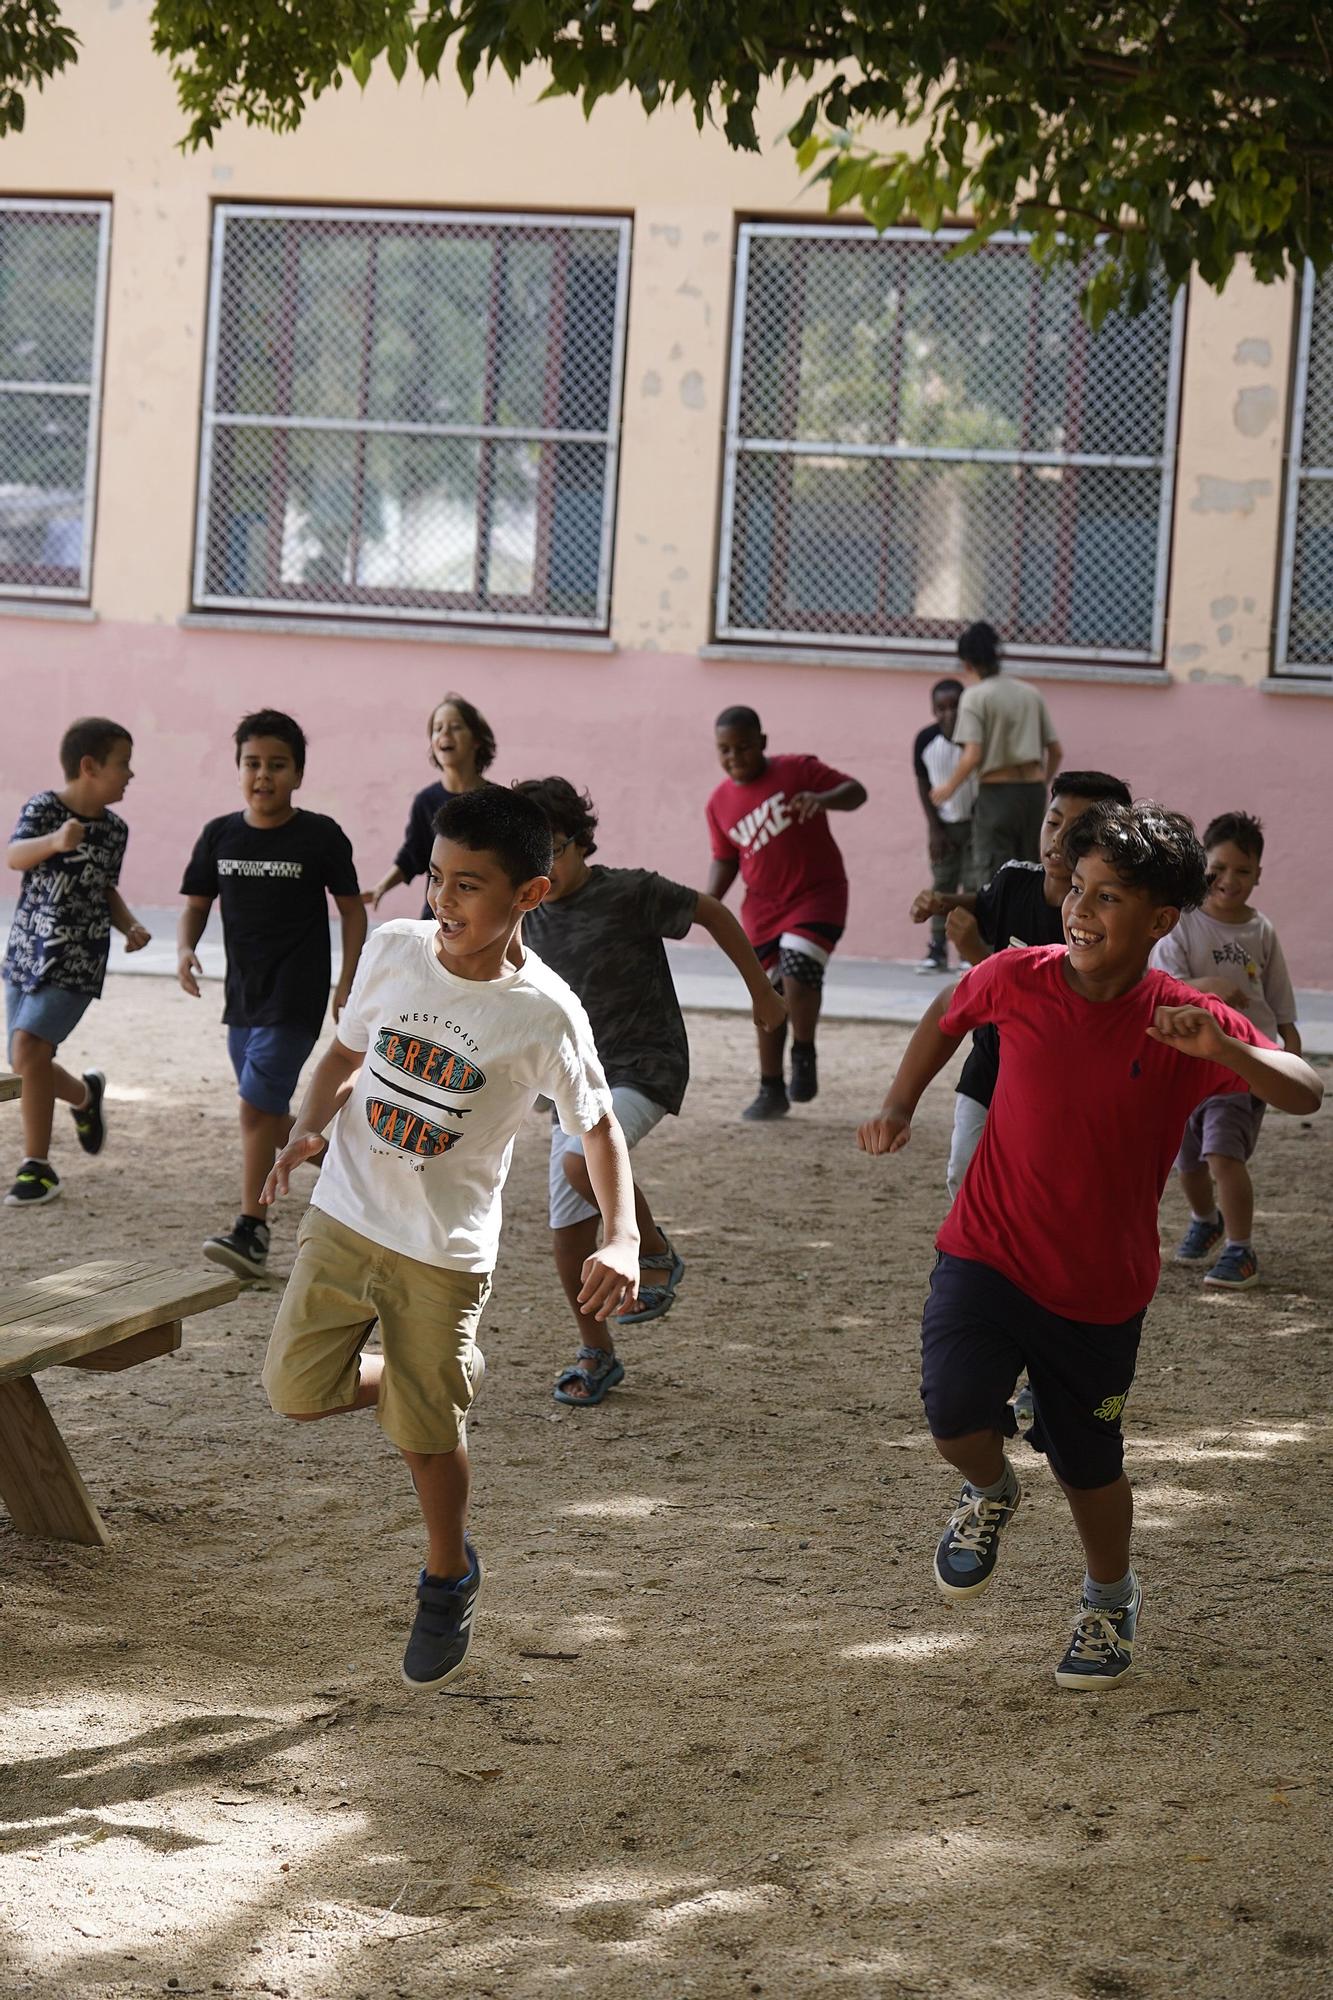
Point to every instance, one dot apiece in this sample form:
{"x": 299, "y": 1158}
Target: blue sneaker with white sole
{"x": 969, "y": 1548}
{"x": 1101, "y": 1651}
{"x": 1235, "y": 1270}
{"x": 1200, "y": 1240}
{"x": 437, "y": 1644}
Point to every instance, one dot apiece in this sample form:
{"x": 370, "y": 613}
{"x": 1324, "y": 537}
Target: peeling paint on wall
{"x": 1228, "y": 496}
{"x": 1182, "y": 655}
{"x": 668, "y": 231}
{"x": 1226, "y": 680}
{"x": 1256, "y": 408}
{"x": 651, "y": 384}
{"x": 1221, "y": 607}
{"x": 692, "y": 392}
{"x": 1254, "y": 353}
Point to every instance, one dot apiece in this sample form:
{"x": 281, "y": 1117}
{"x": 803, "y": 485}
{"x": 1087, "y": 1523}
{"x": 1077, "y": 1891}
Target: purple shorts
{"x": 1228, "y": 1125}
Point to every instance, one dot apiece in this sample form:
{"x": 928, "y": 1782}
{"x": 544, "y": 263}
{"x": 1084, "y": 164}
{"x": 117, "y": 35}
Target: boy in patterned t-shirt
{"x": 766, "y": 823}
{"x": 69, "y": 846}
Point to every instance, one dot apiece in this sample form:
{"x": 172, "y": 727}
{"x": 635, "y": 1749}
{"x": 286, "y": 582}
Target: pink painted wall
{"x": 636, "y": 729}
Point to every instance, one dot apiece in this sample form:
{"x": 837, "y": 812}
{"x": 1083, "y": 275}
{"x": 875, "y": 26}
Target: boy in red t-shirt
{"x": 766, "y": 821}
{"x": 1049, "y": 1256}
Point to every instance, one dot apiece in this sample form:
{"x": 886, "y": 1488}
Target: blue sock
{"x": 1108, "y": 1596}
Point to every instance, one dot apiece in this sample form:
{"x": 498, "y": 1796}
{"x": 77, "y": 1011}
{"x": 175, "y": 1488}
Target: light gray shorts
{"x": 636, "y": 1116}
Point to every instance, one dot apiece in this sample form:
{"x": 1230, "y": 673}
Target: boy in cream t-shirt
{"x": 443, "y": 1046}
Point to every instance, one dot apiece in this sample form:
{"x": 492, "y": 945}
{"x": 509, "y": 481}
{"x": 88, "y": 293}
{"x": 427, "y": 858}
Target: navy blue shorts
{"x": 978, "y": 1334}
{"x": 268, "y": 1062}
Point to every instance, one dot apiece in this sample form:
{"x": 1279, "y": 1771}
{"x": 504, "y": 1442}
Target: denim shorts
{"x": 636, "y": 1115}
{"x": 979, "y": 1332}
{"x": 268, "y": 1063}
{"x": 52, "y": 1013}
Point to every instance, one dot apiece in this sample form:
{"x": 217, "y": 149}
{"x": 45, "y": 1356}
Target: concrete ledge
{"x": 374, "y": 628}
{"x": 40, "y": 607}
{"x": 1291, "y": 684}
{"x": 745, "y": 654}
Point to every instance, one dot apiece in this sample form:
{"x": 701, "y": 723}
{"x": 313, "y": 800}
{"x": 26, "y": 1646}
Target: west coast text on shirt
{"x": 61, "y": 933}
{"x": 1061, "y": 1197}
{"x": 792, "y": 869}
{"x": 419, "y": 1153}
{"x": 273, "y": 884}
{"x": 605, "y": 941}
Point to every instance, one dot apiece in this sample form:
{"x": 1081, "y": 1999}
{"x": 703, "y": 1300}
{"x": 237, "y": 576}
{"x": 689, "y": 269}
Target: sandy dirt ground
{"x": 718, "y": 1733}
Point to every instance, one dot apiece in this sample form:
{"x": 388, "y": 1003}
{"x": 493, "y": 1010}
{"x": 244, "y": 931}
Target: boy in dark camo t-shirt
{"x": 601, "y": 929}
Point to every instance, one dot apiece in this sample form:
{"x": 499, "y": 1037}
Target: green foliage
{"x": 1179, "y": 136}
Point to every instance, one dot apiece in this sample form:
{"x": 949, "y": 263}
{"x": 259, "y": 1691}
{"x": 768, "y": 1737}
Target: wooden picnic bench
{"x": 107, "y": 1315}
{"x": 10, "y": 1086}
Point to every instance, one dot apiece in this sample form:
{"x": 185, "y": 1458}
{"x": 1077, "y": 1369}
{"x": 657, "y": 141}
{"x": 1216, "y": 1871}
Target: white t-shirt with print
{"x": 1202, "y": 947}
{"x": 419, "y": 1153}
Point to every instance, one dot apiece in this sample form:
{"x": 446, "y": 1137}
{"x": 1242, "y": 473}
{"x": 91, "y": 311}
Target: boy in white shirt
{"x": 442, "y": 1048}
{"x": 1230, "y": 950}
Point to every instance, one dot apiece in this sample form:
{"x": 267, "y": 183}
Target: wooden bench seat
{"x": 107, "y": 1315}
{"x": 10, "y": 1086}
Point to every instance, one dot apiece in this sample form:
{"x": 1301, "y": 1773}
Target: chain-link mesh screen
{"x": 52, "y": 264}
{"x": 919, "y": 440}
{"x": 1305, "y": 626}
{"x": 412, "y": 416}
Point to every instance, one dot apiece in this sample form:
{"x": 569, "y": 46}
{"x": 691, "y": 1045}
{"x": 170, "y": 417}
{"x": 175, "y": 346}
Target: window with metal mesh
{"x": 1305, "y": 580}
{"x": 53, "y": 261}
{"x": 411, "y": 415}
{"x": 916, "y": 440}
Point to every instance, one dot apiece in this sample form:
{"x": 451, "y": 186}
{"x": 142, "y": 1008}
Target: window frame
{"x": 871, "y": 636}
{"x": 1298, "y": 475}
{"x": 101, "y": 206}
{"x": 373, "y": 604}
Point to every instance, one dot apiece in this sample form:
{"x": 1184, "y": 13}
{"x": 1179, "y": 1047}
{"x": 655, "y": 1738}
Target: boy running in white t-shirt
{"x": 441, "y": 1050}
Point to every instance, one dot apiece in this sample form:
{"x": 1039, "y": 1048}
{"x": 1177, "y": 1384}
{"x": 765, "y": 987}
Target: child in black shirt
{"x": 462, "y": 749}
{"x": 272, "y": 865}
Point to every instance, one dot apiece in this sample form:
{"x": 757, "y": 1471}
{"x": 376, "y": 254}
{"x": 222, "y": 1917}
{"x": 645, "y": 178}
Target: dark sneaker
{"x": 243, "y": 1249}
{"x": 935, "y": 960}
{"x": 804, "y": 1083}
{"x": 37, "y": 1182}
{"x": 1101, "y": 1652}
{"x": 1200, "y": 1240}
{"x": 89, "y": 1122}
{"x": 966, "y": 1556}
{"x": 770, "y": 1103}
{"x": 1235, "y": 1270}
{"x": 437, "y": 1645}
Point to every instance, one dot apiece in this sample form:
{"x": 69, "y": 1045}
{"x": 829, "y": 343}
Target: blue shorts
{"x": 52, "y": 1013}
{"x": 268, "y": 1063}
{"x": 978, "y": 1334}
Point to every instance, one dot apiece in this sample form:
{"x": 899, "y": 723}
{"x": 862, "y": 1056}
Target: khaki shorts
{"x": 341, "y": 1283}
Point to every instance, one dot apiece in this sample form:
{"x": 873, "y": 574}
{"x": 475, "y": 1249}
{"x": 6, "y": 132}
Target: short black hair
{"x": 569, "y": 813}
{"x": 272, "y": 722}
{"x": 1097, "y": 787}
{"x": 1243, "y": 830}
{"x": 92, "y": 736}
{"x": 499, "y": 822}
{"x": 979, "y": 646}
{"x": 946, "y": 687}
{"x": 473, "y": 719}
{"x": 740, "y": 718}
{"x": 1148, "y": 847}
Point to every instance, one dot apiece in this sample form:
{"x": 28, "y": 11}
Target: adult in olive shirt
{"x": 1009, "y": 745}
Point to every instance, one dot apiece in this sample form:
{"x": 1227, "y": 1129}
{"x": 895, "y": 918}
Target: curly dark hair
{"x": 569, "y": 812}
{"x": 482, "y": 733}
{"x": 495, "y": 821}
{"x": 1243, "y": 830}
{"x": 1148, "y": 847}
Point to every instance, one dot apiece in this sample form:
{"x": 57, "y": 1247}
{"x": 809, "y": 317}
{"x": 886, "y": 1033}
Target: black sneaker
{"x": 89, "y": 1122}
{"x": 437, "y": 1644}
{"x": 969, "y": 1547}
{"x": 770, "y": 1103}
{"x": 243, "y": 1249}
{"x": 804, "y": 1073}
{"x": 37, "y": 1182}
{"x": 1101, "y": 1651}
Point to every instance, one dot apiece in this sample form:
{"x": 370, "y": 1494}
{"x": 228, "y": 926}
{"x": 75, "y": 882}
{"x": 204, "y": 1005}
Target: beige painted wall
{"x": 111, "y": 129}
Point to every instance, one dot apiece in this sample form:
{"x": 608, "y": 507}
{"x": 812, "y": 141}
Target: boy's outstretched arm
{"x": 923, "y": 1059}
{"x": 721, "y": 875}
{"x": 1285, "y": 1081}
{"x": 847, "y": 797}
{"x": 352, "y": 912}
{"x": 769, "y": 1008}
{"x": 611, "y": 1274}
{"x": 326, "y": 1094}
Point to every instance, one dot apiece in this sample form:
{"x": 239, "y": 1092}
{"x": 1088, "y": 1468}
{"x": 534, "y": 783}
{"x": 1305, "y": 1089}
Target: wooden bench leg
{"x": 39, "y": 1481}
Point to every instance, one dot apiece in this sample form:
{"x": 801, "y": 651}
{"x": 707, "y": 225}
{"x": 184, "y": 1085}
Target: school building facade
{"x": 608, "y": 428}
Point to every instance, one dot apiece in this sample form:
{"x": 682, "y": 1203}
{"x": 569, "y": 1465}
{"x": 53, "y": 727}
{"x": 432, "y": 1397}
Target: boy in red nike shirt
{"x": 766, "y": 823}
{"x": 1049, "y": 1256}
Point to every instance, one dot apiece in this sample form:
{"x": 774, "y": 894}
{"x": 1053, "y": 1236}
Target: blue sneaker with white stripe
{"x": 1101, "y": 1651}
{"x": 967, "y": 1552}
{"x": 438, "y": 1642}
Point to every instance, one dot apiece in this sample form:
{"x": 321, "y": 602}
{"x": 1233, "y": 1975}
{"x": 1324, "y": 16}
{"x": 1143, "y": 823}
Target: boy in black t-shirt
{"x": 1020, "y": 905}
{"x": 272, "y": 865}
{"x": 601, "y": 929}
